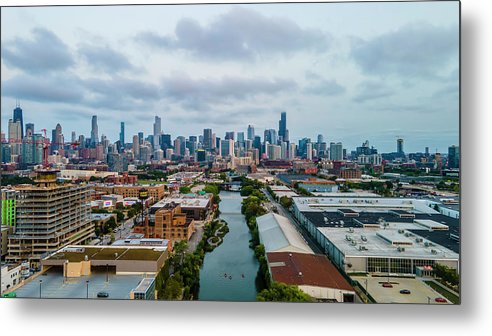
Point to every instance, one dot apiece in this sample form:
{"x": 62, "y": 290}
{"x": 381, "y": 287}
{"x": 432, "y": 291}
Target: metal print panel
{"x": 289, "y": 152}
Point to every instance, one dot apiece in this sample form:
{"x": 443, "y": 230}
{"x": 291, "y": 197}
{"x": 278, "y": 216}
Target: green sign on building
{"x": 8, "y": 207}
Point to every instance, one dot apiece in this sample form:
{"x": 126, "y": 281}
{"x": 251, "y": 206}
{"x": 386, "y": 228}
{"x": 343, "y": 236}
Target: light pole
{"x": 40, "y": 282}
{"x": 107, "y": 273}
{"x": 87, "y": 288}
{"x": 367, "y": 295}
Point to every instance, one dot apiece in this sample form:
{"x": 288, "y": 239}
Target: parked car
{"x": 405, "y": 291}
{"x": 387, "y": 285}
{"x": 102, "y": 295}
{"x": 441, "y": 300}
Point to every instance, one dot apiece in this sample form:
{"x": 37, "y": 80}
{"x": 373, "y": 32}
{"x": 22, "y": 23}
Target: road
{"x": 283, "y": 212}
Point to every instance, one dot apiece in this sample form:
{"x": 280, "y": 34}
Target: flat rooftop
{"x": 196, "y": 201}
{"x": 144, "y": 285}
{"x": 55, "y": 286}
{"x": 76, "y": 253}
{"x": 361, "y": 242}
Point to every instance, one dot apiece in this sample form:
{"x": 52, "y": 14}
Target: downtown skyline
{"x": 336, "y": 81}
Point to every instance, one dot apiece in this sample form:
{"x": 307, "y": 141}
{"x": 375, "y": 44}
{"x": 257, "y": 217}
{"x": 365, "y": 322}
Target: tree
{"x": 119, "y": 215}
{"x": 184, "y": 190}
{"x": 285, "y": 201}
{"x": 173, "y": 289}
{"x": 281, "y": 292}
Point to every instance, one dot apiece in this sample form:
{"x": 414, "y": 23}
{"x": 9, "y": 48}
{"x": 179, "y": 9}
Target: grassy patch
{"x": 444, "y": 292}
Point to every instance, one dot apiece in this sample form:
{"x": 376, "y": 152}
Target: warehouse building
{"x": 381, "y": 235}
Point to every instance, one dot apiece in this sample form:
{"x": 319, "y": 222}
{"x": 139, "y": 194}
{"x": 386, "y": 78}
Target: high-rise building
{"x": 157, "y": 132}
{"x": 94, "y": 132}
{"x": 274, "y": 152}
{"x": 251, "y": 132}
{"x": 227, "y": 148}
{"x": 207, "y": 139}
{"x": 320, "y": 138}
{"x": 135, "y": 147}
{"x": 282, "y": 126}
{"x": 122, "y": 134}
{"x": 270, "y": 136}
{"x": 309, "y": 151}
{"x": 9, "y": 207}
{"x": 15, "y": 136}
{"x": 49, "y": 216}
{"x": 229, "y": 136}
{"x": 18, "y": 117}
{"x": 74, "y": 137}
{"x": 399, "y": 146}
{"x": 454, "y": 157}
{"x": 240, "y": 137}
{"x": 166, "y": 141}
{"x": 29, "y": 129}
{"x": 292, "y": 151}
{"x": 140, "y": 138}
{"x": 336, "y": 151}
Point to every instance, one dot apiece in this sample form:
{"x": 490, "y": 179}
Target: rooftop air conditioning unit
{"x": 353, "y": 243}
{"x": 433, "y": 251}
{"x": 401, "y": 231}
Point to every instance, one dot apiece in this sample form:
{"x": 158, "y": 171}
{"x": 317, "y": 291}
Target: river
{"x": 232, "y": 258}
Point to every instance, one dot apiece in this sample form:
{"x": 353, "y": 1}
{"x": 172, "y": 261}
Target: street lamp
{"x": 87, "y": 288}
{"x": 40, "y": 282}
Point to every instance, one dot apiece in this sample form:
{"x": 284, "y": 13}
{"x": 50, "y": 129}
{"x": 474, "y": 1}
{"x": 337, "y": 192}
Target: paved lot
{"x": 420, "y": 292}
{"x": 54, "y": 286}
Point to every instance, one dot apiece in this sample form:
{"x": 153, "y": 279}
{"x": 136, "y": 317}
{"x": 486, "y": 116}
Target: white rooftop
{"x": 185, "y": 201}
{"x": 278, "y": 234}
{"x": 377, "y": 246}
{"x": 332, "y": 203}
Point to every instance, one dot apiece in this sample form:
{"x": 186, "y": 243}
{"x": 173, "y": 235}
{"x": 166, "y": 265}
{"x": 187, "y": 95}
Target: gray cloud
{"x": 104, "y": 58}
{"x": 418, "y": 50}
{"x": 199, "y": 93}
{"x": 43, "y": 53}
{"x": 369, "y": 90}
{"x": 325, "y": 87}
{"x": 54, "y": 89}
{"x": 240, "y": 34}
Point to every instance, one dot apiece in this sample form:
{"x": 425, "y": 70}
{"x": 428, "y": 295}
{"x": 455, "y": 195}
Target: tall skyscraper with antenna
{"x": 18, "y": 117}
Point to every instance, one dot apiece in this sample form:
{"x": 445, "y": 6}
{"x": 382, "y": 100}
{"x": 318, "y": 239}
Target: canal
{"x": 228, "y": 272}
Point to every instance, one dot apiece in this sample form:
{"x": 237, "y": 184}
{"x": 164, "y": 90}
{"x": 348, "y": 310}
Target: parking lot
{"x": 54, "y": 285}
{"x": 419, "y": 291}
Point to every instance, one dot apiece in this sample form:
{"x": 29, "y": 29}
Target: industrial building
{"x": 314, "y": 274}
{"x": 50, "y": 215}
{"x": 277, "y": 234}
{"x": 400, "y": 236}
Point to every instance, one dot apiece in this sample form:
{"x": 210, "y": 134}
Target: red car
{"x": 387, "y": 285}
{"x": 441, "y": 300}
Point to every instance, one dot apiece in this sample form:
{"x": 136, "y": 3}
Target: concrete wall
{"x": 325, "y": 293}
{"x": 77, "y": 269}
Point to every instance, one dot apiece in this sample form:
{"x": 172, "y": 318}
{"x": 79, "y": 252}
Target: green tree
{"x": 185, "y": 190}
{"x": 281, "y": 292}
{"x": 285, "y": 201}
{"x": 119, "y": 215}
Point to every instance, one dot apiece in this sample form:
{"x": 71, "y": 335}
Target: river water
{"x": 228, "y": 272}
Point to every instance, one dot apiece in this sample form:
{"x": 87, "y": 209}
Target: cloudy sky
{"x": 349, "y": 71}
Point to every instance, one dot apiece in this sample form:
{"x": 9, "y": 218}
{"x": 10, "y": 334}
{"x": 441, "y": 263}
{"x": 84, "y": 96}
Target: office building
{"x": 157, "y": 132}
{"x": 251, "y": 132}
{"x": 227, "y": 148}
{"x": 399, "y": 146}
{"x": 309, "y": 151}
{"x": 29, "y": 129}
{"x": 94, "y": 132}
{"x": 19, "y": 118}
{"x": 122, "y": 134}
{"x": 207, "y": 139}
{"x": 454, "y": 157}
{"x": 229, "y": 136}
{"x": 336, "y": 151}
{"x": 282, "y": 127}
{"x": 49, "y": 216}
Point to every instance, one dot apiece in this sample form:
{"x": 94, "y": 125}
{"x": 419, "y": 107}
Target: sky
{"x": 349, "y": 71}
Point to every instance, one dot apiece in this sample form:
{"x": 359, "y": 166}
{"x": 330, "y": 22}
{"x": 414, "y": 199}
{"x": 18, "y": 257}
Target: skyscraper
{"x": 207, "y": 139}
{"x": 282, "y": 127}
{"x": 29, "y": 129}
{"x": 94, "y": 132}
{"x": 122, "y": 134}
{"x": 454, "y": 157}
{"x": 136, "y": 146}
{"x": 336, "y": 151}
{"x": 140, "y": 138}
{"x": 399, "y": 146}
{"x": 227, "y": 147}
{"x": 229, "y": 136}
{"x": 18, "y": 117}
{"x": 157, "y": 132}
{"x": 15, "y": 136}
{"x": 320, "y": 138}
{"x": 240, "y": 136}
{"x": 251, "y": 132}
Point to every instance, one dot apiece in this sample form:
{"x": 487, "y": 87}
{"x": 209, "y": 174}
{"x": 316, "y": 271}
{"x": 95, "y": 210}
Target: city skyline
{"x": 338, "y": 82}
